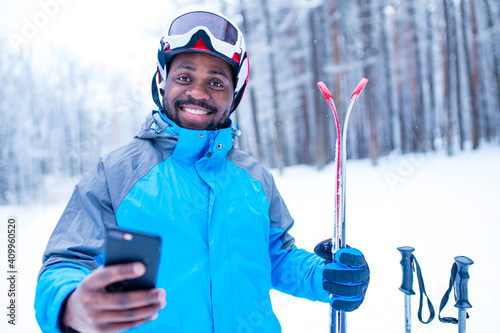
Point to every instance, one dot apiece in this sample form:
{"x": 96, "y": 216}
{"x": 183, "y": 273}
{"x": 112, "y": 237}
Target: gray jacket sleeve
{"x": 79, "y": 236}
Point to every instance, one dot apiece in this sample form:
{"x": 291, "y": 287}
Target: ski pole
{"x": 458, "y": 281}
{"x": 407, "y": 284}
{"x": 461, "y": 289}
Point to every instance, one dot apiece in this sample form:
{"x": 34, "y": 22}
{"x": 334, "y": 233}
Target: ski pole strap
{"x": 446, "y": 296}
{"x": 421, "y": 287}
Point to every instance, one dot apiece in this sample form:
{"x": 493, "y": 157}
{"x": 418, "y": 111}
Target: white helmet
{"x": 203, "y": 32}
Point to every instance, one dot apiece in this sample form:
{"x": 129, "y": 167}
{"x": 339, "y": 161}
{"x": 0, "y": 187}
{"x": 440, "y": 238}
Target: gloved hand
{"x": 346, "y": 278}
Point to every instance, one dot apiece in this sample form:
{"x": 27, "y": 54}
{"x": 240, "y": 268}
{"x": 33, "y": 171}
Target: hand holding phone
{"x": 116, "y": 312}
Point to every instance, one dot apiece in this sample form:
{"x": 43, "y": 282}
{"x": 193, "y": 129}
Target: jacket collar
{"x": 185, "y": 144}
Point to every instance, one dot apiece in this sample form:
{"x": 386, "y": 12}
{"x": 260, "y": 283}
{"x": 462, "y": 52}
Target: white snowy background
{"x": 442, "y": 206}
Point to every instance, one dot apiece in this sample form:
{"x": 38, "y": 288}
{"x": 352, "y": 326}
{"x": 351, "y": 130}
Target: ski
{"x": 337, "y": 320}
{"x": 329, "y": 98}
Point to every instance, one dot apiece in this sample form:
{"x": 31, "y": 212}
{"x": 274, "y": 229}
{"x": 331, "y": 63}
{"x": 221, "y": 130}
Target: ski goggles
{"x": 220, "y": 28}
{"x": 224, "y": 36}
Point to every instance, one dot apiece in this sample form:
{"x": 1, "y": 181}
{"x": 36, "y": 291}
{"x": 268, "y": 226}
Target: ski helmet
{"x": 203, "y": 32}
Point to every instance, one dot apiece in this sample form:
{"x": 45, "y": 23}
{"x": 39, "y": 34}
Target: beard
{"x": 172, "y": 111}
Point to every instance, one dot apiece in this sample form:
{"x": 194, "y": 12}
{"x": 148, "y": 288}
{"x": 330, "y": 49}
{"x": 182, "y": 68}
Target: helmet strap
{"x": 154, "y": 92}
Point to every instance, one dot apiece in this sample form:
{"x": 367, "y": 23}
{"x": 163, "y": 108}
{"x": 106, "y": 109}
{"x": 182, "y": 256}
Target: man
{"x": 223, "y": 223}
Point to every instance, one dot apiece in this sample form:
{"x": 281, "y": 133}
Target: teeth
{"x": 194, "y": 111}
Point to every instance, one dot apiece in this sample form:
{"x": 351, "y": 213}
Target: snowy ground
{"x": 442, "y": 206}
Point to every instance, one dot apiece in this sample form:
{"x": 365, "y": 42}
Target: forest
{"x": 433, "y": 68}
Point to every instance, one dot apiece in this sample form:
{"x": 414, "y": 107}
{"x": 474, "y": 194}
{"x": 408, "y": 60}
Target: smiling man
{"x": 200, "y": 91}
{"x": 223, "y": 224}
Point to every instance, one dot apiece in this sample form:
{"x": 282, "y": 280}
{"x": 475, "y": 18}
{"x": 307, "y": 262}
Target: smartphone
{"x": 124, "y": 246}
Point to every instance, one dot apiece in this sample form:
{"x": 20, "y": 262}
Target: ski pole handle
{"x": 406, "y": 264}
{"x": 461, "y": 288}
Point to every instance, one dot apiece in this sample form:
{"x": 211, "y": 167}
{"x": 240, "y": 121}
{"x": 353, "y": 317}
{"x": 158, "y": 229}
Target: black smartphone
{"x": 124, "y": 246}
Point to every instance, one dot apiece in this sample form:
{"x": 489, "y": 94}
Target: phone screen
{"x": 125, "y": 246}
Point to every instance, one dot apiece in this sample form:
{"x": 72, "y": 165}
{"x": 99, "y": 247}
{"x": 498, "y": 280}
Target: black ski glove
{"x": 346, "y": 278}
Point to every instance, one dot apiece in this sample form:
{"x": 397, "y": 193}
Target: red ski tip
{"x": 359, "y": 87}
{"x": 324, "y": 90}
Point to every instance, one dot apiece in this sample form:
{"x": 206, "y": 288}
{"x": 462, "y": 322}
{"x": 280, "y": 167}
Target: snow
{"x": 442, "y": 206}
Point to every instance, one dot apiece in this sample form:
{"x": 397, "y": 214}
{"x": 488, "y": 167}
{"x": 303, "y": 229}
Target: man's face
{"x": 199, "y": 91}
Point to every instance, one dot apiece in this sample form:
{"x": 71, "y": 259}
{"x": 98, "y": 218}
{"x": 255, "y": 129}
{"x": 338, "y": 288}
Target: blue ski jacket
{"x": 223, "y": 224}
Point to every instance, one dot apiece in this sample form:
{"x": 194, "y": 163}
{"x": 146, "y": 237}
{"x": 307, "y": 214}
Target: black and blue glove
{"x": 346, "y": 277}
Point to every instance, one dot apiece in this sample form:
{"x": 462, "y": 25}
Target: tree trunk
{"x": 321, "y": 114}
{"x": 388, "y": 68}
{"x": 460, "y": 105}
{"x": 419, "y": 112}
{"x": 430, "y": 75}
{"x": 470, "y": 50}
{"x": 447, "y": 79}
{"x": 253, "y": 101}
{"x": 495, "y": 50}
{"x": 279, "y": 124}
{"x": 369, "y": 72}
